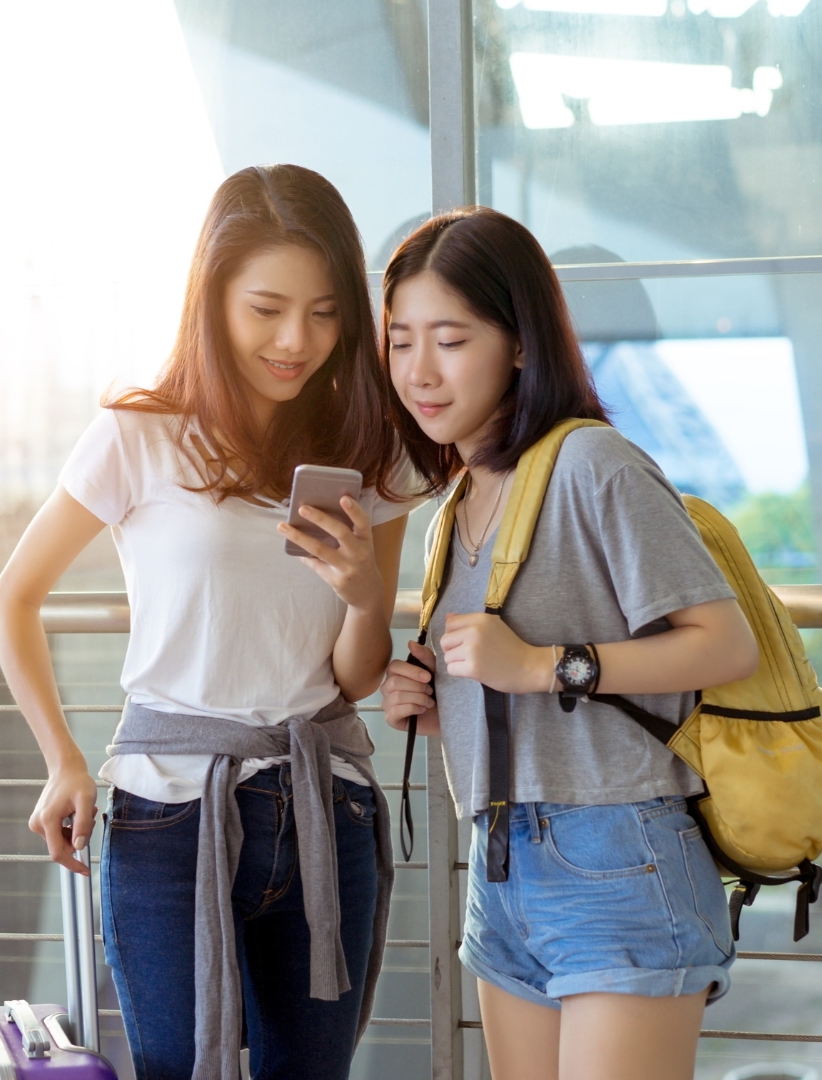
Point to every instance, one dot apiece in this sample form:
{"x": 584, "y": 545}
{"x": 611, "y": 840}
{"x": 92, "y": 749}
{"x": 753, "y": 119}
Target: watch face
{"x": 577, "y": 670}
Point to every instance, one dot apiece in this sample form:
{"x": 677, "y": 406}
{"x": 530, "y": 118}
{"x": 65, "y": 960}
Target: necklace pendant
{"x": 473, "y": 558}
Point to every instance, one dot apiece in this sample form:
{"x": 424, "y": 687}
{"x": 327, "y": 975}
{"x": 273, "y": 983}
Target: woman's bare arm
{"x": 363, "y": 648}
{"x": 56, "y": 536}
{"x": 709, "y": 644}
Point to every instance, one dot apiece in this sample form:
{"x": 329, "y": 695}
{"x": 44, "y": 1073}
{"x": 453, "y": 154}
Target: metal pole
{"x": 84, "y": 907}
{"x": 72, "y": 959}
{"x": 444, "y": 923}
{"x": 451, "y": 96}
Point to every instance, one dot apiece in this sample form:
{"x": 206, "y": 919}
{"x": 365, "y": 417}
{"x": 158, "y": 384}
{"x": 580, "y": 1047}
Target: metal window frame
{"x": 451, "y": 103}
{"x": 694, "y": 268}
{"x": 453, "y": 183}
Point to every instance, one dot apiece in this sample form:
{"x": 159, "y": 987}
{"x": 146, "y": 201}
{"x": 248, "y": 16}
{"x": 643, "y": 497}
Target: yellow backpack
{"x": 756, "y": 743}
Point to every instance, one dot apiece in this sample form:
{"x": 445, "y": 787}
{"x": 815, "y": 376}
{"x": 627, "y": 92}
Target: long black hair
{"x": 500, "y": 271}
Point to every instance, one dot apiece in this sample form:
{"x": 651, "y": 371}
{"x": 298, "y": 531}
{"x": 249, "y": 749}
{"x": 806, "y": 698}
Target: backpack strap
{"x": 434, "y": 571}
{"x": 662, "y": 730}
{"x": 534, "y": 470}
{"x": 435, "y": 568}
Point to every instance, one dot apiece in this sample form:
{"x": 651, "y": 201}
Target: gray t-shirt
{"x": 613, "y": 553}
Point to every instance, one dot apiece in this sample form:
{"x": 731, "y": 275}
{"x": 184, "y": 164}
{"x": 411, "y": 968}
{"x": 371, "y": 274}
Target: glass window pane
{"x": 340, "y": 88}
{"x": 653, "y": 129}
{"x": 728, "y": 405}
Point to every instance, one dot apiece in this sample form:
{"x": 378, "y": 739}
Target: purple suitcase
{"x": 48, "y": 1040}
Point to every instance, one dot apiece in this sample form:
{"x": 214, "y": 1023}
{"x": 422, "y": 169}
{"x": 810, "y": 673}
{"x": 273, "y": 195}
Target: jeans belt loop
{"x": 533, "y": 821}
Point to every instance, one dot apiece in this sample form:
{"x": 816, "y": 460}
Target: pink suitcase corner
{"x": 48, "y": 1040}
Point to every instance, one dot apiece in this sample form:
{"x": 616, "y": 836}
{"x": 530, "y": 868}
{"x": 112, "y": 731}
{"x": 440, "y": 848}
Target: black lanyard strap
{"x": 406, "y": 819}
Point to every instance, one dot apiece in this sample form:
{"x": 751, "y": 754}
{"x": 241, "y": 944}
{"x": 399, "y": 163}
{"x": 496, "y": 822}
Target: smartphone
{"x": 322, "y": 487}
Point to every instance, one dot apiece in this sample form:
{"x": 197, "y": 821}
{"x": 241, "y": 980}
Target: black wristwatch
{"x": 578, "y": 674}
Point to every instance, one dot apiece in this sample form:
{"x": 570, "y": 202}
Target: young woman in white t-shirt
{"x": 275, "y": 365}
{"x": 599, "y": 929}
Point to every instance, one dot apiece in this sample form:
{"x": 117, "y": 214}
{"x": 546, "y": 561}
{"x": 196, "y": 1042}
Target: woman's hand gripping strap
{"x": 406, "y": 820}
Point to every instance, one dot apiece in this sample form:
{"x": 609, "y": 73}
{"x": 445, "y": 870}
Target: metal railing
{"x": 109, "y": 613}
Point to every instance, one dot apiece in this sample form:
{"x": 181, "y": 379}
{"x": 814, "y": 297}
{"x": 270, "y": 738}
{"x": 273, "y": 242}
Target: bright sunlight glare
{"x": 108, "y": 169}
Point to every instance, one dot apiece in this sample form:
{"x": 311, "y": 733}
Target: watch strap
{"x": 595, "y": 655}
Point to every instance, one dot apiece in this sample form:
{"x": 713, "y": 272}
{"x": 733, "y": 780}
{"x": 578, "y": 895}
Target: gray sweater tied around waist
{"x": 337, "y": 729}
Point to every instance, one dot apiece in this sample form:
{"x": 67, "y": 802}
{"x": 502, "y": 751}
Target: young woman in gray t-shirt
{"x": 597, "y": 955}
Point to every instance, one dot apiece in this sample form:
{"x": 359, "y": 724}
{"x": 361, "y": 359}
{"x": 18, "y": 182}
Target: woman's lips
{"x": 429, "y": 408}
{"x": 281, "y": 369}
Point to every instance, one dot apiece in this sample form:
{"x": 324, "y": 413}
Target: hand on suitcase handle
{"x": 67, "y": 795}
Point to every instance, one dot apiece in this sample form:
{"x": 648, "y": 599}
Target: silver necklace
{"x": 473, "y": 556}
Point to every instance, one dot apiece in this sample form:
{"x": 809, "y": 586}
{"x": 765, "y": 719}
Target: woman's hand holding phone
{"x": 350, "y": 569}
{"x": 407, "y": 691}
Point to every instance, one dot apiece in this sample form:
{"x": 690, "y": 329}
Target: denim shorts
{"x": 621, "y": 899}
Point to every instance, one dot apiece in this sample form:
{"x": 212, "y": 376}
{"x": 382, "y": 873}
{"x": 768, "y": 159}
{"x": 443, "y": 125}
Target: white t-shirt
{"x": 223, "y": 622}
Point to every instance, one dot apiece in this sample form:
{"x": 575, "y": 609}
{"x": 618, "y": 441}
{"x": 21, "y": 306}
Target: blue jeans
{"x": 148, "y": 885}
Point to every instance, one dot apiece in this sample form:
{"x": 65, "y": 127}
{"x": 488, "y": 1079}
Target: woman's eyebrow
{"x": 432, "y": 325}
{"x": 282, "y": 296}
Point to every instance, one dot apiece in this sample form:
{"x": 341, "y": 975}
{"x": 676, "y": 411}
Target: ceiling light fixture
{"x": 599, "y": 7}
{"x": 719, "y": 9}
{"x": 634, "y": 91}
{"x": 787, "y": 7}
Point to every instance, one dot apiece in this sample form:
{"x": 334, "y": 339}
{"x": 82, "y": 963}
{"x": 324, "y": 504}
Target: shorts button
{"x": 650, "y": 868}
{"x": 543, "y": 822}
{"x": 287, "y": 778}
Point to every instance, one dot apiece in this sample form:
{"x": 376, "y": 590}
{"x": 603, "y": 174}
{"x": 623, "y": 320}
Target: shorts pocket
{"x": 601, "y": 841}
{"x": 130, "y": 811}
{"x": 709, "y": 895}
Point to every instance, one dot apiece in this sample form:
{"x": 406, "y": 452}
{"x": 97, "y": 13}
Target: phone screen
{"x": 320, "y": 486}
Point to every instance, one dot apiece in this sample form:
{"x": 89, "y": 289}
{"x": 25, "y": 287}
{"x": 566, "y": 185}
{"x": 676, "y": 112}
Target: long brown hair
{"x": 500, "y": 271}
{"x": 341, "y": 417}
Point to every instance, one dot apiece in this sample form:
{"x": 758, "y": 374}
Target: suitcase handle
{"x": 35, "y": 1041}
{"x": 81, "y": 966}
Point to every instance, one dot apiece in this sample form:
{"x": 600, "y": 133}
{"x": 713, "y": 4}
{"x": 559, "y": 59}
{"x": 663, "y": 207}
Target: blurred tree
{"x": 778, "y": 529}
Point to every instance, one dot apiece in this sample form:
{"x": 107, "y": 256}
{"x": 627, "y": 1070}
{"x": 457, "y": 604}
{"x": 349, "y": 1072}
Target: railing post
{"x": 444, "y": 923}
{"x": 453, "y": 183}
